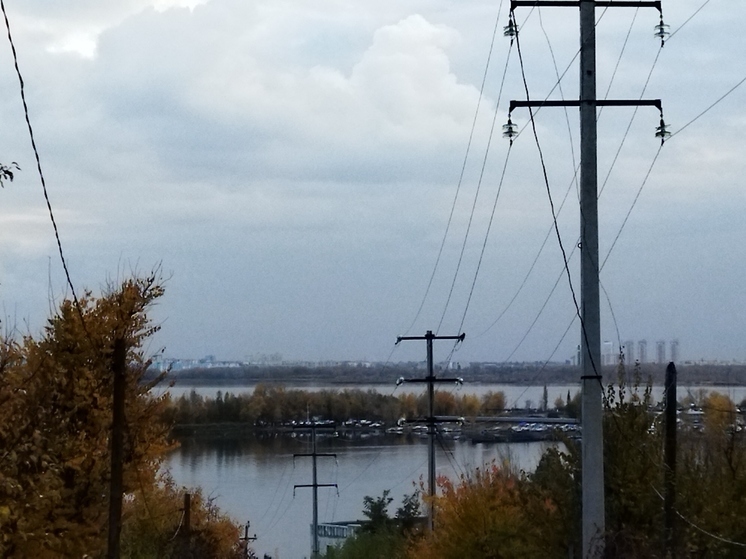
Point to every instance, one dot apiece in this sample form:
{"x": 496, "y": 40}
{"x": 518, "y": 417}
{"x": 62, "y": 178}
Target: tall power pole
{"x": 315, "y": 487}
{"x": 594, "y": 524}
{"x": 431, "y": 420}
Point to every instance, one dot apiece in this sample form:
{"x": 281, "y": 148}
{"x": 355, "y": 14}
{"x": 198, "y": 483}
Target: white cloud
{"x": 314, "y": 148}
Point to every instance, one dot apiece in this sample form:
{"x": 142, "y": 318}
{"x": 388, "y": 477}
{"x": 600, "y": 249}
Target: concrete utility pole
{"x": 669, "y": 476}
{"x": 594, "y": 525}
{"x": 431, "y": 420}
{"x": 315, "y": 486}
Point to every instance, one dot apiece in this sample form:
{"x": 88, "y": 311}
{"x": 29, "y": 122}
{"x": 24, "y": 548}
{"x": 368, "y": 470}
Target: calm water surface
{"x": 253, "y": 479}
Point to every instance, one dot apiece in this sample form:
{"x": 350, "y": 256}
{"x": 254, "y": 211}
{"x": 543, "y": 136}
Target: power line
{"x": 671, "y": 36}
{"x": 611, "y": 168}
{"x": 634, "y": 202}
{"x": 619, "y": 59}
{"x": 557, "y": 85}
{"x": 541, "y": 310}
{"x": 461, "y": 175}
{"x": 708, "y": 109}
{"x": 551, "y": 203}
{"x": 38, "y": 163}
{"x": 486, "y": 237}
{"x": 478, "y": 190}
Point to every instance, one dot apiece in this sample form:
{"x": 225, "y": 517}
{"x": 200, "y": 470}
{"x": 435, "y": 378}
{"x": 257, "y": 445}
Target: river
{"x": 253, "y": 479}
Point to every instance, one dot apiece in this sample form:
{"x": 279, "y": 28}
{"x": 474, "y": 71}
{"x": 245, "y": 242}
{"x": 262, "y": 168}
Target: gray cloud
{"x": 293, "y": 167}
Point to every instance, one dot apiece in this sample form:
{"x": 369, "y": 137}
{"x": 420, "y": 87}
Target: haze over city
{"x": 292, "y": 169}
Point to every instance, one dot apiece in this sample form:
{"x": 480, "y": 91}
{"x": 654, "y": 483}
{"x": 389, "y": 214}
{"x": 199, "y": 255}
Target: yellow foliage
{"x": 55, "y": 420}
{"x": 153, "y": 519}
{"x": 720, "y": 412}
{"x": 488, "y": 515}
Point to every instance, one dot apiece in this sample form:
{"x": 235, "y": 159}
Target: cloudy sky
{"x": 292, "y": 167}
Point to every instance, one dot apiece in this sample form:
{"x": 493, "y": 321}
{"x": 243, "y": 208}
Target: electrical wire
{"x": 708, "y": 109}
{"x": 455, "y": 466}
{"x": 497, "y": 195}
{"x": 463, "y": 170}
{"x": 409, "y": 475}
{"x": 275, "y": 519}
{"x": 484, "y": 244}
{"x": 599, "y": 194}
{"x": 690, "y": 18}
{"x": 557, "y": 85}
{"x": 39, "y": 167}
{"x": 178, "y": 528}
{"x": 551, "y": 204}
{"x": 478, "y": 190}
{"x": 363, "y": 471}
{"x": 619, "y": 59}
{"x": 541, "y": 311}
{"x": 562, "y": 96}
{"x": 632, "y": 206}
{"x": 274, "y": 494}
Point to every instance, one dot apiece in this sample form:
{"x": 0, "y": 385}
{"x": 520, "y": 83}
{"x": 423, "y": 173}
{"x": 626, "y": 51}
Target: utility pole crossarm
{"x": 457, "y": 380}
{"x": 599, "y": 103}
{"x": 314, "y": 485}
{"x": 430, "y": 336}
{"x": 307, "y": 454}
{"x": 576, "y": 4}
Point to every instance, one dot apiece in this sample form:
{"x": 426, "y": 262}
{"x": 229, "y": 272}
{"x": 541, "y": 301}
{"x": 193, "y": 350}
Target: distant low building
{"x": 334, "y": 534}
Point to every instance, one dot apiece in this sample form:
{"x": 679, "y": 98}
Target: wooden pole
{"x": 119, "y": 356}
{"x": 187, "y": 516}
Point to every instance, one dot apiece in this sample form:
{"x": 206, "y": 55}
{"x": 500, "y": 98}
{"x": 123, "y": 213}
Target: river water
{"x": 253, "y": 479}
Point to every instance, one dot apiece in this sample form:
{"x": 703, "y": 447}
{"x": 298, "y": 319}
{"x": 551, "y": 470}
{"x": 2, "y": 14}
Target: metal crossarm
{"x": 576, "y": 4}
{"x": 599, "y": 103}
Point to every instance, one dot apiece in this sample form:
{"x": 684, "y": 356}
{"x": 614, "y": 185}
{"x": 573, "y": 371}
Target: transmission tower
{"x": 594, "y": 524}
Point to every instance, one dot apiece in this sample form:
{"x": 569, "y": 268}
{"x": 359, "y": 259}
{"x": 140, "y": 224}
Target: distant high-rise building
{"x": 608, "y": 353}
{"x": 629, "y": 351}
{"x": 642, "y": 351}
{"x": 660, "y": 352}
{"x": 674, "y": 350}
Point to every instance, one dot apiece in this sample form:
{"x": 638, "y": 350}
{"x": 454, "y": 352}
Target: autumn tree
{"x": 55, "y": 422}
{"x": 383, "y": 536}
{"x": 633, "y": 471}
{"x": 487, "y": 513}
{"x": 712, "y": 483}
{"x": 154, "y": 526}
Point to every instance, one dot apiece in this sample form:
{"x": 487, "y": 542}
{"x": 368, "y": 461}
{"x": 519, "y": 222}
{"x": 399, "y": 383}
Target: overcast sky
{"x": 292, "y": 166}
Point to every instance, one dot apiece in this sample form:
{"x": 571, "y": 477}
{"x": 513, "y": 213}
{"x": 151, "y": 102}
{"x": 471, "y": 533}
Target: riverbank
{"x": 522, "y": 431}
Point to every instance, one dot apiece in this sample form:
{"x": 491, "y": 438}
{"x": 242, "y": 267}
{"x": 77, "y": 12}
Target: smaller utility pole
{"x": 187, "y": 517}
{"x": 246, "y": 539}
{"x": 669, "y": 476}
{"x": 431, "y": 420}
{"x": 315, "y": 486}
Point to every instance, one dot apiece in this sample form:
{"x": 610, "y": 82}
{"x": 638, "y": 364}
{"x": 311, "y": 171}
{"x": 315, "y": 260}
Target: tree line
{"x": 273, "y": 405}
